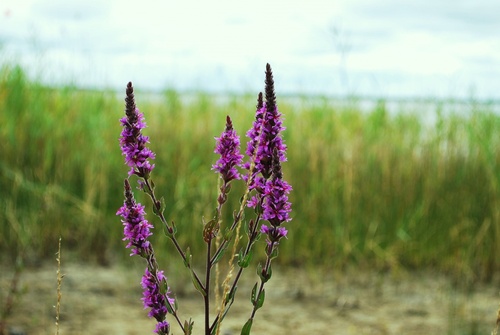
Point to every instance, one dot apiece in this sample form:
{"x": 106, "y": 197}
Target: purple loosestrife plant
{"x": 136, "y": 231}
{"x": 266, "y": 178}
{"x": 266, "y": 191}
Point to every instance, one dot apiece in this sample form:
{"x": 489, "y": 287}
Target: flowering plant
{"x": 266, "y": 191}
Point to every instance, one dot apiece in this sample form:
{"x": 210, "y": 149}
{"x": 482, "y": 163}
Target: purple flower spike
{"x": 276, "y": 206}
{"x": 254, "y": 133}
{"x": 154, "y": 299}
{"x": 132, "y": 141}
{"x": 136, "y": 228}
{"x": 264, "y": 139}
{"x": 228, "y": 146}
{"x": 272, "y": 126}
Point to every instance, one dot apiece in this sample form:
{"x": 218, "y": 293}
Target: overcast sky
{"x": 387, "y": 48}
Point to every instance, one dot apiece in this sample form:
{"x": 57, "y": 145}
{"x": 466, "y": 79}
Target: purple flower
{"x": 272, "y": 126}
{"x": 132, "y": 141}
{"x": 162, "y": 328}
{"x": 228, "y": 146}
{"x": 276, "y": 207}
{"x": 264, "y": 139}
{"x": 275, "y": 233}
{"x": 136, "y": 228}
{"x": 254, "y": 133}
{"x": 153, "y": 286}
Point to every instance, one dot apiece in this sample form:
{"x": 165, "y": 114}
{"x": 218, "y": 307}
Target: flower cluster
{"x": 270, "y": 133}
{"x": 153, "y": 298}
{"x": 276, "y": 206}
{"x": 267, "y": 149}
{"x": 265, "y": 140}
{"x": 228, "y": 146}
{"x": 136, "y": 228}
{"x": 254, "y": 132}
{"x": 132, "y": 141}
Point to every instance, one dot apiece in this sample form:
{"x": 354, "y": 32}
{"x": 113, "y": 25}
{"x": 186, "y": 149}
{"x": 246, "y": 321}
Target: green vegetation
{"x": 370, "y": 188}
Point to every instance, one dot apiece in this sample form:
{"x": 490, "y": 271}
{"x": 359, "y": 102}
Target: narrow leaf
{"x": 228, "y": 234}
{"x": 220, "y": 254}
{"x": 254, "y": 295}
{"x": 189, "y": 257}
{"x": 260, "y": 300}
{"x": 197, "y": 285}
{"x": 188, "y": 327}
{"x": 247, "y": 327}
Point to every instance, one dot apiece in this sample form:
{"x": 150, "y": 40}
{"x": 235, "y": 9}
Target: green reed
{"x": 370, "y": 188}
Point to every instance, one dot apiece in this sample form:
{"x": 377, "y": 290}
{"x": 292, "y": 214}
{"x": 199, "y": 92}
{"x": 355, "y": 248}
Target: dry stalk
{"x": 495, "y": 331}
{"x": 59, "y": 283}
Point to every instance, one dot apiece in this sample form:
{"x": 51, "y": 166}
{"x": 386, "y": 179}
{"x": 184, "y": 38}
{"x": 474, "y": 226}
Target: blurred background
{"x": 368, "y": 48}
{"x": 392, "y": 112}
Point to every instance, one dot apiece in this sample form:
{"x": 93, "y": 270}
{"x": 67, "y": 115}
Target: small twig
{"x": 59, "y": 283}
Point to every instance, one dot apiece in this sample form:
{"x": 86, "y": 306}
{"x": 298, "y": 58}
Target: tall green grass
{"x": 370, "y": 188}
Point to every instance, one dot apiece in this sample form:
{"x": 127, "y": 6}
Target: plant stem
{"x": 157, "y": 205}
{"x": 251, "y": 240}
{"x": 265, "y": 272}
{"x": 206, "y": 297}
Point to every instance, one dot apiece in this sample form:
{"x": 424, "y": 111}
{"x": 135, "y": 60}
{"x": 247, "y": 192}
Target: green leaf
{"x": 159, "y": 207}
{"x": 170, "y": 231}
{"x": 189, "y": 257}
{"x": 260, "y": 299}
{"x": 247, "y": 327}
{"x": 254, "y": 295}
{"x": 156, "y": 211}
{"x": 228, "y": 234}
{"x": 257, "y": 236}
{"x": 240, "y": 257}
{"x": 274, "y": 253}
{"x": 264, "y": 275}
{"x": 259, "y": 271}
{"x": 163, "y": 287}
{"x": 171, "y": 309}
{"x": 220, "y": 254}
{"x": 244, "y": 261}
{"x": 268, "y": 274}
{"x": 197, "y": 285}
{"x": 188, "y": 327}
{"x": 231, "y": 294}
